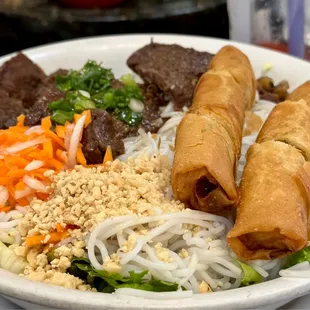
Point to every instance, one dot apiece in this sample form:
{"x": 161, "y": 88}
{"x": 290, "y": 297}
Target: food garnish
{"x": 107, "y": 282}
{"x": 91, "y": 87}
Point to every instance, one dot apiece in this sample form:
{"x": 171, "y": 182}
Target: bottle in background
{"x": 276, "y": 24}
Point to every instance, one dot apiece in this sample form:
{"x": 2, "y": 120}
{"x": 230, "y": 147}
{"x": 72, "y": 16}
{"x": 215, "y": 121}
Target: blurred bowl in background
{"x": 87, "y": 4}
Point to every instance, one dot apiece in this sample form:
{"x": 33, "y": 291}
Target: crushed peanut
{"x": 85, "y": 197}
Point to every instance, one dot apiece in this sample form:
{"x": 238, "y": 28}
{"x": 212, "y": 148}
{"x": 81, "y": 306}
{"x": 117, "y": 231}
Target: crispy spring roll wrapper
{"x": 289, "y": 122}
{"x": 209, "y": 137}
{"x": 301, "y": 92}
{"x": 272, "y": 214}
{"x": 232, "y": 60}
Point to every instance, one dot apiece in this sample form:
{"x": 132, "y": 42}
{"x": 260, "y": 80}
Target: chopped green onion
{"x": 129, "y": 117}
{"x": 61, "y": 117}
{"x": 128, "y": 80}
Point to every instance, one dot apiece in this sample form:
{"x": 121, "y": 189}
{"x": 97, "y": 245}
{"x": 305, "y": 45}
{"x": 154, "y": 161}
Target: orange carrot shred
{"x": 56, "y": 164}
{"x": 20, "y": 186}
{"x": 61, "y": 155}
{"x": 77, "y": 117}
{"x": 52, "y": 154}
{"x": 53, "y": 136}
{"x": 42, "y": 196}
{"x": 46, "y": 123}
{"x": 80, "y": 158}
{"x": 20, "y": 120}
{"x": 88, "y": 117}
{"x": 53, "y": 237}
{"x": 5, "y": 209}
{"x": 16, "y": 173}
{"x": 4, "y": 181}
{"x": 60, "y": 131}
{"x": 48, "y": 149}
{"x": 59, "y": 228}
{"x": 108, "y": 155}
{"x": 22, "y": 202}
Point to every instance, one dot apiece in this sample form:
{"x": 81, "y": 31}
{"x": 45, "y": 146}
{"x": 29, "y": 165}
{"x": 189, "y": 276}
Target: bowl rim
{"x": 259, "y": 295}
{"x": 280, "y": 289}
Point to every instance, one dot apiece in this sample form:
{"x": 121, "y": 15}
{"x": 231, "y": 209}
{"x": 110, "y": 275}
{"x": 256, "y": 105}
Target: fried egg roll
{"x": 272, "y": 215}
{"x": 301, "y": 92}
{"x": 208, "y": 139}
{"x": 289, "y": 122}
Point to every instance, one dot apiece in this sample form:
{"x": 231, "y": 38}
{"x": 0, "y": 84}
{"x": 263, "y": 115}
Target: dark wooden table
{"x": 33, "y": 22}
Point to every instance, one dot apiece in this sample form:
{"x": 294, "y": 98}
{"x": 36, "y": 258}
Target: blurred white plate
{"x": 113, "y": 52}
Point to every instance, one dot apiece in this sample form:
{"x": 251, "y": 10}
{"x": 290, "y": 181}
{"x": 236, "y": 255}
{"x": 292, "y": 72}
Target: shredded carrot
{"x": 54, "y": 163}
{"x": 108, "y": 155}
{"x": 42, "y": 196}
{"x": 20, "y": 121}
{"x": 19, "y": 147}
{"x": 53, "y": 136}
{"x": 52, "y": 238}
{"x": 4, "y": 181}
{"x": 88, "y": 117}
{"x": 12, "y": 161}
{"x": 61, "y": 155}
{"x": 60, "y": 131}
{"x": 20, "y": 186}
{"x": 5, "y": 209}
{"x": 77, "y": 117}
{"x": 80, "y": 158}
{"x": 16, "y": 173}
{"x": 46, "y": 123}
{"x": 48, "y": 149}
{"x": 22, "y": 202}
{"x": 59, "y": 228}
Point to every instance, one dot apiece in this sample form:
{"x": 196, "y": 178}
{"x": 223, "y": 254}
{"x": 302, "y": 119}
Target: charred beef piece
{"x": 10, "y": 109}
{"x": 104, "y": 130}
{"x": 52, "y": 77}
{"x": 153, "y": 100}
{"x": 21, "y": 78}
{"x": 46, "y": 94}
{"x": 175, "y": 70}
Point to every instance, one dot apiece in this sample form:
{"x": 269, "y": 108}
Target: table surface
{"x": 300, "y": 304}
{"x": 130, "y": 10}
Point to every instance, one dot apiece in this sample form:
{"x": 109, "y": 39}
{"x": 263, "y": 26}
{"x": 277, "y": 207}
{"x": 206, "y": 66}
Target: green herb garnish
{"x": 107, "y": 282}
{"x": 97, "y": 82}
{"x": 91, "y": 78}
{"x": 61, "y": 117}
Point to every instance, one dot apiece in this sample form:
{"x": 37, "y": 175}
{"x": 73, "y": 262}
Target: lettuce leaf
{"x": 298, "y": 257}
{"x": 107, "y": 282}
{"x": 250, "y": 275}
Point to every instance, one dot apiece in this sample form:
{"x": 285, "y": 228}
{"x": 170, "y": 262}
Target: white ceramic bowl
{"x": 113, "y": 52}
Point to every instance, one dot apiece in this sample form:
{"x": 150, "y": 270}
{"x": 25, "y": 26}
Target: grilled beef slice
{"x": 103, "y": 130}
{"x": 153, "y": 100}
{"x": 175, "y": 70}
{"x": 10, "y": 109}
{"x": 21, "y": 79}
{"x": 46, "y": 94}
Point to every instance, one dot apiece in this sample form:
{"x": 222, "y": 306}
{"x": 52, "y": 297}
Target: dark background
{"x": 30, "y": 23}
